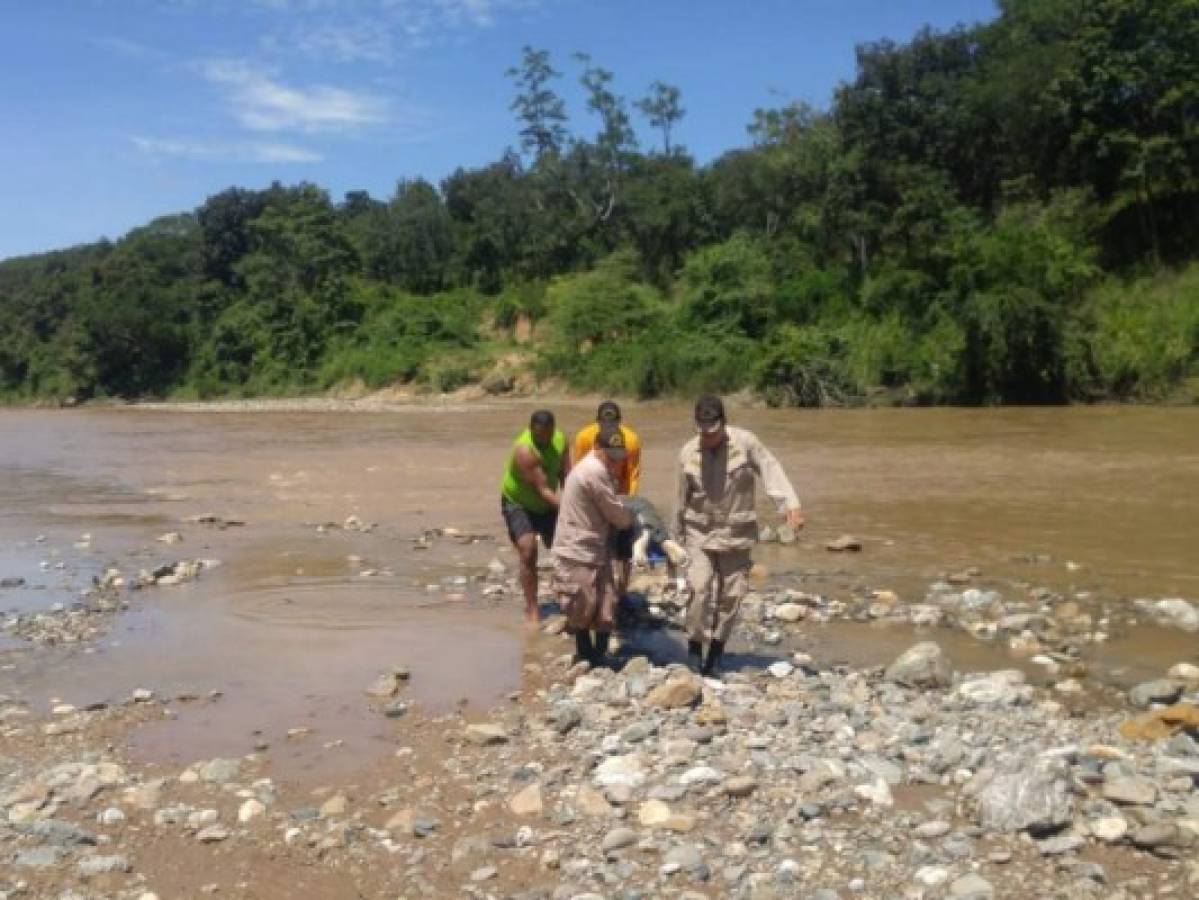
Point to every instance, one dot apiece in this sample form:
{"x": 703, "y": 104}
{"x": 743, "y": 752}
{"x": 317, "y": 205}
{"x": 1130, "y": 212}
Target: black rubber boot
{"x": 712, "y": 663}
{"x": 601, "y": 648}
{"x": 584, "y": 652}
{"x": 695, "y": 655}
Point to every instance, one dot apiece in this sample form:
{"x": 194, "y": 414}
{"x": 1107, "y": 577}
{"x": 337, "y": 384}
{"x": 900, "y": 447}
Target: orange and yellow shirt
{"x": 629, "y": 479}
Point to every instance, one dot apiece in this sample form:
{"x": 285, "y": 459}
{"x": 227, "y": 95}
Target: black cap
{"x": 611, "y": 440}
{"x": 709, "y": 412}
{"x": 608, "y": 412}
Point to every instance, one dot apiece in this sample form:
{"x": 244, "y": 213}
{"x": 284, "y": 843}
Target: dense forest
{"x": 1002, "y": 213}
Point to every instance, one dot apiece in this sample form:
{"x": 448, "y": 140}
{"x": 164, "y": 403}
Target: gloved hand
{"x": 678, "y": 556}
{"x": 641, "y": 551}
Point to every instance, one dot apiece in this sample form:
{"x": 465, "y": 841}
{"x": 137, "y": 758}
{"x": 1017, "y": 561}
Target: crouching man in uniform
{"x": 587, "y": 513}
{"x": 717, "y": 522}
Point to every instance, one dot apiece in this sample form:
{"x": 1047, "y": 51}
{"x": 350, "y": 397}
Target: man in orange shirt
{"x": 627, "y": 475}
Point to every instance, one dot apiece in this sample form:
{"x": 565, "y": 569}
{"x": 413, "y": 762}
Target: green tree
{"x": 540, "y": 110}
{"x": 729, "y": 285}
{"x": 664, "y": 110}
{"x": 1132, "y": 97}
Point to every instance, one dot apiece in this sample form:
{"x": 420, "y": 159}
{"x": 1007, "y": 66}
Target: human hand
{"x": 678, "y": 556}
{"x": 640, "y": 554}
{"x": 795, "y": 518}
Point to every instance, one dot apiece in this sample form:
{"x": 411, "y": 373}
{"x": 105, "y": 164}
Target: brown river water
{"x": 288, "y": 629}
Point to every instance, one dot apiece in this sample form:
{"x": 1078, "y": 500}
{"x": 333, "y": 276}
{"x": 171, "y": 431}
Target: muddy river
{"x": 298, "y": 618}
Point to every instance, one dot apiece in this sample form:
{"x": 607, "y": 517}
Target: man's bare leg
{"x": 526, "y": 551}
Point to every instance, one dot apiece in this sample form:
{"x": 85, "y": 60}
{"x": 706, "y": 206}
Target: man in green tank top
{"x": 529, "y": 492}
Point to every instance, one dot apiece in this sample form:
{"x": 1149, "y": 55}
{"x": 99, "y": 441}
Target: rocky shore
{"x": 787, "y": 777}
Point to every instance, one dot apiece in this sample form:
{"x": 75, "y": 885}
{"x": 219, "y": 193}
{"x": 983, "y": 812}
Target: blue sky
{"x": 117, "y": 111}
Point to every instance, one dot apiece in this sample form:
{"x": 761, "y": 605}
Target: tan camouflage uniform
{"x": 717, "y": 523}
{"x": 587, "y": 513}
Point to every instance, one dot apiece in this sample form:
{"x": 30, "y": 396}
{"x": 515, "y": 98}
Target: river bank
{"x": 200, "y": 586}
{"x": 794, "y": 772}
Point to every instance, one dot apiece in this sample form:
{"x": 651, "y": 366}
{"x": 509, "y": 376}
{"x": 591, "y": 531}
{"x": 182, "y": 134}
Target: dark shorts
{"x": 520, "y": 522}
{"x": 622, "y": 542}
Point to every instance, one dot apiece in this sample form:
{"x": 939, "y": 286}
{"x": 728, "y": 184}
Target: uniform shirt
{"x": 716, "y": 508}
{"x": 587, "y": 512}
{"x": 628, "y": 480}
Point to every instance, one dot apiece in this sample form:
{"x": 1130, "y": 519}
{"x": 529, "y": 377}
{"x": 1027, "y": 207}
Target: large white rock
{"x": 1035, "y": 797}
{"x": 924, "y": 665}
{"x": 1003, "y": 688}
{"x": 628, "y": 770}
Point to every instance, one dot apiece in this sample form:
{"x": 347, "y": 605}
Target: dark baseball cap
{"x": 709, "y": 413}
{"x": 611, "y": 440}
{"x": 608, "y": 412}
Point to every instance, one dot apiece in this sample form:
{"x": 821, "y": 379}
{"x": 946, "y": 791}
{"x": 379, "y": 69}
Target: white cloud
{"x": 476, "y": 12}
{"x": 376, "y": 31}
{"x": 346, "y": 43}
{"x": 230, "y": 152}
{"x": 262, "y": 103}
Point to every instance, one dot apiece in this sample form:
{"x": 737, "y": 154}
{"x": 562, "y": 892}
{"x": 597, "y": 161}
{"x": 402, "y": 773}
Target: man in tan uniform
{"x": 717, "y": 523}
{"x": 587, "y": 513}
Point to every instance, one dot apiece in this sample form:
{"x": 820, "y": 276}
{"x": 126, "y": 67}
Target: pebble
{"x": 335, "y": 806}
{"x": 1110, "y": 829}
{"x": 618, "y": 839}
{"x": 846, "y": 542}
{"x": 485, "y": 873}
{"x": 396, "y": 710}
{"x": 527, "y": 802}
{"x": 1056, "y": 846}
{"x": 486, "y": 735}
{"x": 740, "y": 786}
{"x": 781, "y": 669}
{"x": 932, "y": 876}
{"x": 103, "y": 865}
{"x": 929, "y": 830}
{"x": 877, "y": 792}
{"x": 1157, "y": 835}
{"x": 1164, "y": 691}
{"x": 686, "y": 858}
{"x": 971, "y": 887}
{"x": 790, "y": 612}
{"x": 39, "y": 857}
{"x": 112, "y": 816}
{"x": 220, "y": 771}
{"x": 1133, "y": 791}
{"x": 251, "y": 810}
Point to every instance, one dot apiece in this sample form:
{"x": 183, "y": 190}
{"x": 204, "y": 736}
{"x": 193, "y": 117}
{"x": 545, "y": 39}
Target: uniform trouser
{"x": 718, "y": 582}
{"x": 587, "y": 595}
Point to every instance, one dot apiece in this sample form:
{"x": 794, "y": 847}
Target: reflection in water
{"x": 291, "y": 630}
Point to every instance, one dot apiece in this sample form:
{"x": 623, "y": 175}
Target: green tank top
{"x": 516, "y": 489}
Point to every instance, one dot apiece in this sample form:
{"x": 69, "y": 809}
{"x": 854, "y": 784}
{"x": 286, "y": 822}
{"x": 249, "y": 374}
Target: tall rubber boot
{"x": 584, "y": 652}
{"x": 712, "y": 663}
{"x": 695, "y": 655}
{"x": 601, "y": 648}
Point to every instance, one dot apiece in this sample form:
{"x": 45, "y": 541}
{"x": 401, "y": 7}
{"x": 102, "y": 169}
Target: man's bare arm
{"x": 528, "y": 467}
{"x": 567, "y": 465}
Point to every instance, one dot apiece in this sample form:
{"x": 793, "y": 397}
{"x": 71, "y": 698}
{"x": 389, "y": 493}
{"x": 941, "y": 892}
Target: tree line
{"x": 1007, "y": 212}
